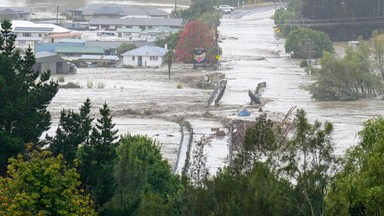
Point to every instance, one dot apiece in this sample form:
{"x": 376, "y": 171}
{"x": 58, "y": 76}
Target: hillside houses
{"x": 16, "y": 13}
{"x": 96, "y": 40}
{"x": 102, "y": 11}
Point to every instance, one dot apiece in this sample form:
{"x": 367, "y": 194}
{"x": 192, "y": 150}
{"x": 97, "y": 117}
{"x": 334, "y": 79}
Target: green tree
{"x": 97, "y": 159}
{"x": 358, "y": 188}
{"x": 73, "y": 130}
{"x": 171, "y": 41}
{"x": 307, "y": 43}
{"x": 142, "y": 175}
{"x": 124, "y": 47}
{"x": 309, "y": 160}
{"x": 41, "y": 184}
{"x": 349, "y": 78}
{"x": 24, "y": 97}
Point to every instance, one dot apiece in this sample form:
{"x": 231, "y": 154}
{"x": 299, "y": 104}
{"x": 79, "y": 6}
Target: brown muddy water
{"x": 284, "y": 79}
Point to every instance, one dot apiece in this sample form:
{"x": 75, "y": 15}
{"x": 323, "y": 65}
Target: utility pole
{"x": 57, "y": 14}
{"x": 175, "y": 7}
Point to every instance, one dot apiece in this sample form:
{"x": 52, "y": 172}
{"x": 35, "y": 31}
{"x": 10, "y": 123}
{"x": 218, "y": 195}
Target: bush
{"x": 90, "y": 84}
{"x": 60, "y": 79}
{"x": 70, "y": 85}
{"x": 100, "y": 85}
{"x": 305, "y": 42}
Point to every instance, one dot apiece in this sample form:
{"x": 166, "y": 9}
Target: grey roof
{"x": 139, "y": 22}
{"x": 123, "y": 10}
{"x": 115, "y": 44}
{"x": 33, "y": 29}
{"x": 147, "y": 51}
{"x": 43, "y": 54}
{"x": 107, "y": 11}
{"x": 18, "y": 9}
{"x": 8, "y": 11}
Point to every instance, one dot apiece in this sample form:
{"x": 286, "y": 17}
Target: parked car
{"x": 226, "y": 11}
{"x": 224, "y": 8}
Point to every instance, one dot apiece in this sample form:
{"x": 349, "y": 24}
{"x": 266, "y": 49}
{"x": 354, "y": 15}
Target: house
{"x": 115, "y": 11}
{"x": 16, "y": 13}
{"x": 50, "y": 61}
{"x": 29, "y": 33}
{"x": 79, "y": 51}
{"x": 54, "y": 38}
{"x": 51, "y": 47}
{"x": 149, "y": 56}
{"x": 142, "y": 23}
{"x": 129, "y": 33}
{"x": 111, "y": 46}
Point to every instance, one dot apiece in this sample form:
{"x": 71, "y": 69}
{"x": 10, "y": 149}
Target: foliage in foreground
{"x": 359, "y": 188}
{"x": 24, "y": 97}
{"x": 41, "y": 184}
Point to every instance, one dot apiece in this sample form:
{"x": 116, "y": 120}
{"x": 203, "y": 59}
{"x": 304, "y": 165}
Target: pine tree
{"x": 97, "y": 158}
{"x": 74, "y": 129}
{"x": 24, "y": 97}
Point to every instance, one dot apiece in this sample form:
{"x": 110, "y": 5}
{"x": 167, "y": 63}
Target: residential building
{"x": 142, "y": 23}
{"x": 115, "y": 11}
{"x": 148, "y": 56}
{"x": 16, "y": 13}
{"x": 29, "y": 33}
{"x": 79, "y": 51}
{"x": 50, "y": 61}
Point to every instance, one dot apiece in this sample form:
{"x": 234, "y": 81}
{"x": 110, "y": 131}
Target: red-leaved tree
{"x": 194, "y": 35}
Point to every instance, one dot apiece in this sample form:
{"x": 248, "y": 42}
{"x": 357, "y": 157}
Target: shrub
{"x": 70, "y": 85}
{"x": 60, "y": 79}
{"x": 100, "y": 85}
{"x": 90, "y": 84}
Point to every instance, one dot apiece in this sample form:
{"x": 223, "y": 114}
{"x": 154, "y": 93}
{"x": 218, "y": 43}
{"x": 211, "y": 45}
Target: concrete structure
{"x": 50, "y": 61}
{"x": 148, "y": 56}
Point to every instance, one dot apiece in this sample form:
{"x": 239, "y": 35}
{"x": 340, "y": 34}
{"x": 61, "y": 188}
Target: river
{"x": 284, "y": 78}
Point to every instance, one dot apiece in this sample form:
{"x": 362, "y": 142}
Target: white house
{"x": 29, "y": 33}
{"x": 149, "y": 56}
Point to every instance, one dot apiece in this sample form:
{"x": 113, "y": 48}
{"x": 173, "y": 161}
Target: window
{"x": 133, "y": 58}
{"x": 153, "y": 58}
{"x": 27, "y": 35}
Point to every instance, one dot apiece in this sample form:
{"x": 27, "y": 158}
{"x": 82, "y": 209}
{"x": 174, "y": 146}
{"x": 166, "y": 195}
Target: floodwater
{"x": 284, "y": 77}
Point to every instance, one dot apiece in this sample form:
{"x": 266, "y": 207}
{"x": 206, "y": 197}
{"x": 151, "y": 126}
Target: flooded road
{"x": 284, "y": 77}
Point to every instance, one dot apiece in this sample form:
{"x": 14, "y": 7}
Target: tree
{"x": 194, "y": 35}
{"x": 309, "y": 160}
{"x": 171, "y": 41}
{"x": 24, "y": 95}
{"x": 358, "y": 188}
{"x": 41, "y": 184}
{"x": 98, "y": 157}
{"x": 349, "y": 78}
{"x": 307, "y": 43}
{"x": 142, "y": 174}
{"x": 73, "y": 130}
{"x": 124, "y": 47}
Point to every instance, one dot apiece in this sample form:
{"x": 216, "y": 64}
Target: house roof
{"x": 64, "y": 35}
{"x": 83, "y": 50}
{"x": 47, "y": 57}
{"x": 28, "y": 26}
{"x": 128, "y": 30}
{"x": 147, "y": 51}
{"x": 139, "y": 22}
{"x": 17, "y": 9}
{"x": 121, "y": 10}
{"x": 115, "y": 44}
